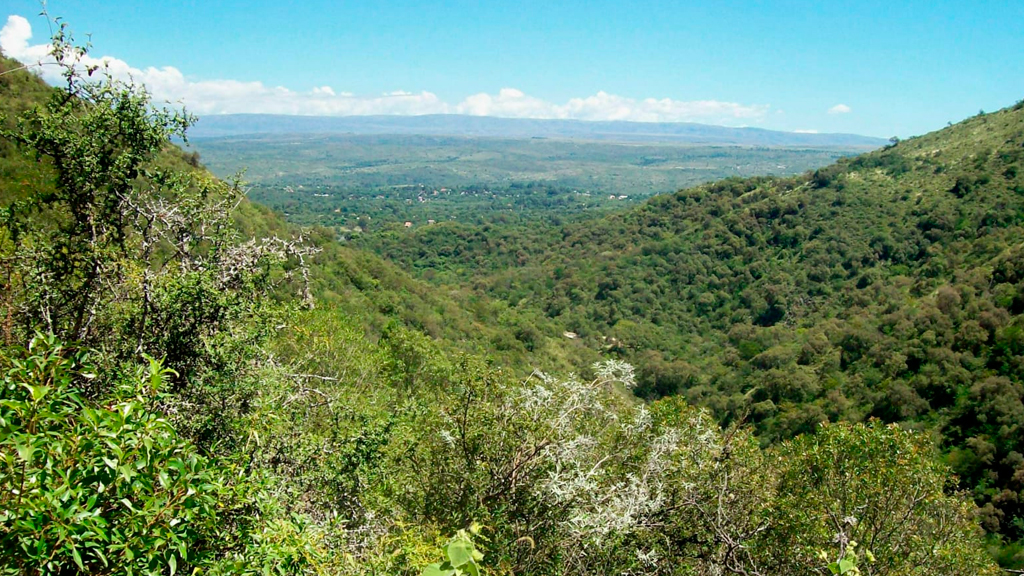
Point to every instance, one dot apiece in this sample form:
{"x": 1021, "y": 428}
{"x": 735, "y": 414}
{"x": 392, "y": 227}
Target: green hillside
{"x": 353, "y": 283}
{"x": 886, "y": 286}
{"x": 190, "y": 385}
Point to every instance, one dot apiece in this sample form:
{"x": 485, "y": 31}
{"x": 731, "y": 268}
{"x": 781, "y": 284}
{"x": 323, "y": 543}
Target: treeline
{"x": 350, "y": 212}
{"x": 886, "y": 286}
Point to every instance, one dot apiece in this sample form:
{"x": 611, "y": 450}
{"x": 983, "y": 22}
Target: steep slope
{"x": 890, "y": 285}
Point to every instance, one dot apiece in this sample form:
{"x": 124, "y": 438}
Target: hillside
{"x": 351, "y": 283}
{"x": 190, "y": 385}
{"x": 884, "y": 286}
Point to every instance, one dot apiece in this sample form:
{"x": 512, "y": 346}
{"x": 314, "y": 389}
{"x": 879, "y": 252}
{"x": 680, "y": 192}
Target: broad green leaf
{"x": 460, "y": 552}
{"x": 25, "y": 452}
{"x": 38, "y": 392}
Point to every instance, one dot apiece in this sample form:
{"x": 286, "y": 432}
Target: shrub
{"x": 106, "y": 489}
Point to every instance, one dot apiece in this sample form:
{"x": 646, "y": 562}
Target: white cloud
{"x": 840, "y": 109}
{"x": 14, "y": 37}
{"x": 513, "y": 103}
{"x": 168, "y": 84}
{"x": 507, "y": 103}
{"x": 805, "y": 131}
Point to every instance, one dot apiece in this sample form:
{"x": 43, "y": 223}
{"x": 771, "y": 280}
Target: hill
{"x": 486, "y": 126}
{"x": 885, "y": 286}
{"x": 169, "y": 402}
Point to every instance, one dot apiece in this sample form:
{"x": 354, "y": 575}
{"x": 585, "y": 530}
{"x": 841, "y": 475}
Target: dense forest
{"x": 191, "y": 384}
{"x": 885, "y": 286}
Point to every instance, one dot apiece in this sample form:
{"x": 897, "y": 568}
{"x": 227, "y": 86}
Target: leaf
{"x": 173, "y": 563}
{"x": 25, "y": 452}
{"x": 460, "y": 552}
{"x": 38, "y": 392}
{"x": 845, "y": 565}
{"x": 438, "y": 570}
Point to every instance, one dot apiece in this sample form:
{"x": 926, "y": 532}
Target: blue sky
{"x": 875, "y": 68}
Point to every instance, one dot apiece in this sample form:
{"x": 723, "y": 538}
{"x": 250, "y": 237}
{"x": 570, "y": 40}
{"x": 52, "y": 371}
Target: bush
{"x": 882, "y": 487}
{"x": 102, "y": 488}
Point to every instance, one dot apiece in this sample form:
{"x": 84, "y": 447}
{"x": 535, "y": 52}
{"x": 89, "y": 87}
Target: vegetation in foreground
{"x": 171, "y": 403}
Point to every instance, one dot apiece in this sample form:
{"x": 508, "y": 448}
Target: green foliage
{"x": 97, "y": 136}
{"x": 847, "y": 563}
{"x": 884, "y": 286}
{"x": 116, "y": 245}
{"x": 124, "y": 249}
{"x": 882, "y": 487}
{"x": 106, "y": 489}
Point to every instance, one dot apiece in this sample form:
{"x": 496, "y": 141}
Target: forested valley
{"x": 811, "y": 374}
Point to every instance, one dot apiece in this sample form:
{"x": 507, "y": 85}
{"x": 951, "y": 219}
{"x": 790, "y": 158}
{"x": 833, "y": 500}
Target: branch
{"x": 313, "y": 376}
{"x": 27, "y": 66}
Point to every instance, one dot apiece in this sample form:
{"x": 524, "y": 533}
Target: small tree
{"x": 126, "y": 249}
{"x": 121, "y": 252}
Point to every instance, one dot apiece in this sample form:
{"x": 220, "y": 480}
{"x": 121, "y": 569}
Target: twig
{"x": 313, "y": 376}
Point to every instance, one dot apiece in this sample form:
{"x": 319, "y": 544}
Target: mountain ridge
{"x": 488, "y": 126}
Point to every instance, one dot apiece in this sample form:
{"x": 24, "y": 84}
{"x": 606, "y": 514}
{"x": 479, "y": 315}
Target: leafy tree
{"x": 127, "y": 250}
{"x": 123, "y": 250}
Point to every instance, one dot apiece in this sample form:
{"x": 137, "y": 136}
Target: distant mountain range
{"x": 486, "y": 126}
